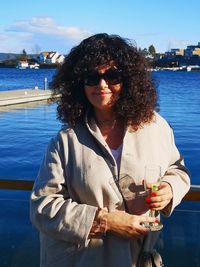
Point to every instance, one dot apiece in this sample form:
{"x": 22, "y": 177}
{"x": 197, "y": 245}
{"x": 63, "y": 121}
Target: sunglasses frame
{"x": 93, "y": 78}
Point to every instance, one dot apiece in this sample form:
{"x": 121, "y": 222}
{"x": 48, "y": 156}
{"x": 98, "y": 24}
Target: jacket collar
{"x": 127, "y": 157}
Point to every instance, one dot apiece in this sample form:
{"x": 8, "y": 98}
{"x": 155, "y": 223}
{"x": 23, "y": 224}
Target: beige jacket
{"x": 77, "y": 176}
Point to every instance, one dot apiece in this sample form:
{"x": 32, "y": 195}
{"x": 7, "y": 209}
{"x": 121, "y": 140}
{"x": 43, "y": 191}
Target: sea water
{"x": 26, "y": 129}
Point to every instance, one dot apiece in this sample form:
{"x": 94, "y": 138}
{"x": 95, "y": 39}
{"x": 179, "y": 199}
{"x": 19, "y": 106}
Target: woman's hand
{"x": 161, "y": 198}
{"x": 126, "y": 225}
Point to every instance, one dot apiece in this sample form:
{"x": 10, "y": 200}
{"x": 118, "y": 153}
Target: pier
{"x": 15, "y": 97}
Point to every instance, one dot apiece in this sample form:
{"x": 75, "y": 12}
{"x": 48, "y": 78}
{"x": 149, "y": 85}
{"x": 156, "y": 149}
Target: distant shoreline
{"x": 55, "y": 66}
{"x": 42, "y": 66}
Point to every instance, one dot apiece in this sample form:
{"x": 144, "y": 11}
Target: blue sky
{"x": 42, "y": 25}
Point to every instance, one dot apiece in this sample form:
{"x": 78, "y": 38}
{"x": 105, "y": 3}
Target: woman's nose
{"x": 102, "y": 83}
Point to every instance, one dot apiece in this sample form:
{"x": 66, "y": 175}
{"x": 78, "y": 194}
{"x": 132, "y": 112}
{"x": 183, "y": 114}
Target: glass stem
{"x": 152, "y": 213}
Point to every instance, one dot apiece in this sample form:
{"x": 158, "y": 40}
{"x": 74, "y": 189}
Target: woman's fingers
{"x": 126, "y": 225}
{"x": 161, "y": 198}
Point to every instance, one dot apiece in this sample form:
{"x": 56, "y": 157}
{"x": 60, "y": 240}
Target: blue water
{"x": 180, "y": 104}
{"x": 14, "y": 79}
{"x": 25, "y": 131}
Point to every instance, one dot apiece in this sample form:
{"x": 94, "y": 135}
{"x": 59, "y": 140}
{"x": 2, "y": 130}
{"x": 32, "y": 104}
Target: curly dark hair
{"x": 138, "y": 98}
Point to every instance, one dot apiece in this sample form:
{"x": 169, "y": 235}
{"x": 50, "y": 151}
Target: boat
{"x": 25, "y": 65}
{"x": 34, "y": 66}
{"x": 22, "y": 64}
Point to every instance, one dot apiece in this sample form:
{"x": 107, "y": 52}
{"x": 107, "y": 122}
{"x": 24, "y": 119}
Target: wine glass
{"x": 152, "y": 180}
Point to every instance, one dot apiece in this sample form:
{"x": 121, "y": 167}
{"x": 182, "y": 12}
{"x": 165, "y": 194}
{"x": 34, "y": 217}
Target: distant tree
{"x": 152, "y": 51}
{"x": 24, "y": 52}
{"x": 145, "y": 52}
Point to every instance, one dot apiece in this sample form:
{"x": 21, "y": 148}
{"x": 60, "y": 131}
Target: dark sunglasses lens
{"x": 92, "y": 79}
{"x": 113, "y": 76}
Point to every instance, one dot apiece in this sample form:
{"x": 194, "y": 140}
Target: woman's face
{"x": 103, "y": 87}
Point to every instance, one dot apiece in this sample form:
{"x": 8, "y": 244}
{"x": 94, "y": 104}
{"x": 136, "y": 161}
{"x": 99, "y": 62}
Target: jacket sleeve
{"x": 52, "y": 210}
{"x": 177, "y": 175}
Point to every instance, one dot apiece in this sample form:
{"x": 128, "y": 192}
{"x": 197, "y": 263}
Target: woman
{"x": 108, "y": 102}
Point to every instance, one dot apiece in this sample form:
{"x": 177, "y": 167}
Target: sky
{"x": 58, "y": 25}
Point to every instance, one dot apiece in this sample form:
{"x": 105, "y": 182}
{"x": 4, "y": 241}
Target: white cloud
{"x": 35, "y": 24}
{"x": 43, "y": 32}
{"x": 48, "y": 26}
{"x": 15, "y": 42}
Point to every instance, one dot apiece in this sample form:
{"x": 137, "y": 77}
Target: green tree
{"x": 145, "y": 52}
{"x": 152, "y": 51}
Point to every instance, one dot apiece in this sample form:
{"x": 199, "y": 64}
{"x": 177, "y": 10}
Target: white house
{"x": 51, "y": 57}
{"x": 60, "y": 59}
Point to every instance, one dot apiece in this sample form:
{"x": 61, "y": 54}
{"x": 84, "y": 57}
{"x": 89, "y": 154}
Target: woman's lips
{"x": 103, "y": 93}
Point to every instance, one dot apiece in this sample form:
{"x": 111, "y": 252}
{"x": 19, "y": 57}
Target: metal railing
{"x": 16, "y": 184}
{"x": 192, "y": 195}
{"x": 178, "y": 244}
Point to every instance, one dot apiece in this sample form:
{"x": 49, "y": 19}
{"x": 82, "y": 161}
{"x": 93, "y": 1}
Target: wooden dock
{"x": 15, "y": 97}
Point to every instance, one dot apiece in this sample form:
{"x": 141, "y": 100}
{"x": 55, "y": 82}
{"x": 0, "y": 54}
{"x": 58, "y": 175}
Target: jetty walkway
{"x": 14, "y": 97}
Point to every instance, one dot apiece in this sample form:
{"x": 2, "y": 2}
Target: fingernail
{"x": 148, "y": 200}
{"x": 153, "y": 194}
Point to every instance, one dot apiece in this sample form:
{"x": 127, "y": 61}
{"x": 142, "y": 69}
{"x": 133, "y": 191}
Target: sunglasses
{"x": 111, "y": 76}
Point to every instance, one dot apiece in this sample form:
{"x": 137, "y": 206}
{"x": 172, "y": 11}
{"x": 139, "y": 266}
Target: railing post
{"x": 45, "y": 83}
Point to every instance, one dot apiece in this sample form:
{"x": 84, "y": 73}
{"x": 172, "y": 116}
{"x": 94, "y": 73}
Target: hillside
{"x": 7, "y": 56}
